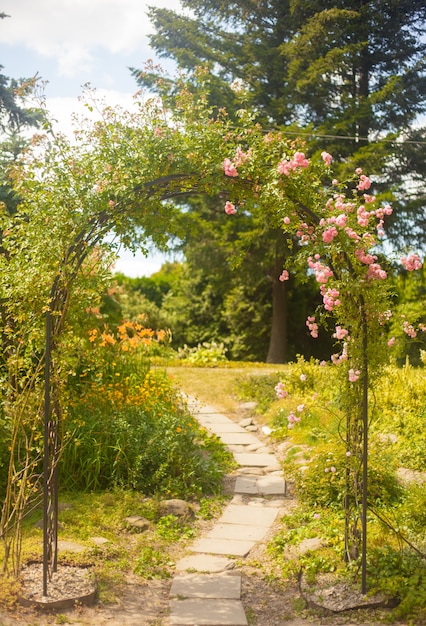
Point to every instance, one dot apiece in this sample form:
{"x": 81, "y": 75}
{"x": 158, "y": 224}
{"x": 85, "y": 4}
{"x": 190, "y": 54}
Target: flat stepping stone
{"x": 207, "y": 586}
{"x": 204, "y": 563}
{"x": 208, "y": 612}
{"x": 239, "y": 439}
{"x": 230, "y": 547}
{"x": 237, "y": 532}
{"x": 227, "y": 427}
{"x": 246, "y": 515}
{"x": 209, "y": 418}
{"x": 253, "y": 459}
{"x": 71, "y": 546}
{"x": 264, "y": 485}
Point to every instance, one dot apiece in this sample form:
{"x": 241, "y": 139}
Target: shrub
{"x": 203, "y": 354}
{"x": 323, "y": 483}
{"x": 145, "y": 439}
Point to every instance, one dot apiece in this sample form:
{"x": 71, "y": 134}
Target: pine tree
{"x": 349, "y": 78}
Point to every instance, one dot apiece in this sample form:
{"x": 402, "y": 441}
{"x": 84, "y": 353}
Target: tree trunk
{"x": 278, "y": 348}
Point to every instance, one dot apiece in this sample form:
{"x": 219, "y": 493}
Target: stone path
{"x": 206, "y": 590}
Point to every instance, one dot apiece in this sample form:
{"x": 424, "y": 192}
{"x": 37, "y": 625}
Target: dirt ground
{"x": 147, "y": 604}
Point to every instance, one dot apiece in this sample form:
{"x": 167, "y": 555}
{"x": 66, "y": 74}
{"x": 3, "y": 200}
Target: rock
{"x": 248, "y": 406}
{"x": 99, "y": 541}
{"x": 248, "y": 421}
{"x": 284, "y": 446}
{"x": 407, "y": 476}
{"x": 388, "y": 438}
{"x": 138, "y": 522}
{"x": 176, "y": 507}
{"x": 264, "y": 450}
{"x": 309, "y": 545}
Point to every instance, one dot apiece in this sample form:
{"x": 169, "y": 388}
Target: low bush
{"x": 127, "y": 425}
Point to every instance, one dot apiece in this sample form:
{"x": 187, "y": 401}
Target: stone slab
{"x": 223, "y": 546}
{"x": 246, "y": 484}
{"x": 204, "y": 563}
{"x": 253, "y": 459}
{"x": 248, "y": 515}
{"x": 71, "y": 546}
{"x": 213, "y": 612}
{"x": 207, "y": 586}
{"x": 237, "y": 532}
{"x": 210, "y": 418}
{"x": 238, "y": 438}
{"x": 271, "y": 485}
{"x": 223, "y": 427}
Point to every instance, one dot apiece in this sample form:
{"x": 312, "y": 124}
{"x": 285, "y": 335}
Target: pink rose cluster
{"x": 330, "y": 298}
{"x": 313, "y": 326}
{"x": 326, "y": 157}
{"x": 293, "y": 419}
{"x": 341, "y": 333}
{"x": 322, "y": 272}
{"x": 411, "y": 262}
{"x": 230, "y": 167}
{"x": 353, "y": 375}
{"x": 298, "y": 161}
{"x": 280, "y": 391}
{"x": 230, "y": 208}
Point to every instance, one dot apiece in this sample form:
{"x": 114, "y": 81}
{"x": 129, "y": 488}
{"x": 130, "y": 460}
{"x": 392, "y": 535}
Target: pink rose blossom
{"x": 375, "y": 272}
{"x": 286, "y": 220}
{"x": 354, "y": 375}
{"x": 340, "y": 333}
{"x": 280, "y": 391}
{"x": 341, "y": 220}
{"x": 284, "y": 276}
{"x": 326, "y": 157}
{"x": 409, "y": 330}
{"x": 411, "y": 262}
{"x": 391, "y": 342}
{"x": 230, "y": 208}
{"x": 329, "y": 234}
{"x": 313, "y": 326}
{"x": 364, "y": 183}
{"x": 369, "y": 199}
{"x": 229, "y": 168}
{"x": 241, "y": 157}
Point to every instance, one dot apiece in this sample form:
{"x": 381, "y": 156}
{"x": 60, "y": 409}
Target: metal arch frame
{"x": 166, "y": 187}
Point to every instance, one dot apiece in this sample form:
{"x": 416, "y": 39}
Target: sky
{"x": 69, "y": 43}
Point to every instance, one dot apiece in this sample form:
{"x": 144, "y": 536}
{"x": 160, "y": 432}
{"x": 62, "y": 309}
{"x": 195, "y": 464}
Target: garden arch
{"x": 158, "y": 158}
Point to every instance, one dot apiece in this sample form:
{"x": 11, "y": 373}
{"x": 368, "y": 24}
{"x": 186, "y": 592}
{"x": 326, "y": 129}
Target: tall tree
{"x": 353, "y": 75}
{"x": 13, "y": 118}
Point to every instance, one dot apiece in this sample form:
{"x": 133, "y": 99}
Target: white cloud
{"x": 73, "y": 31}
